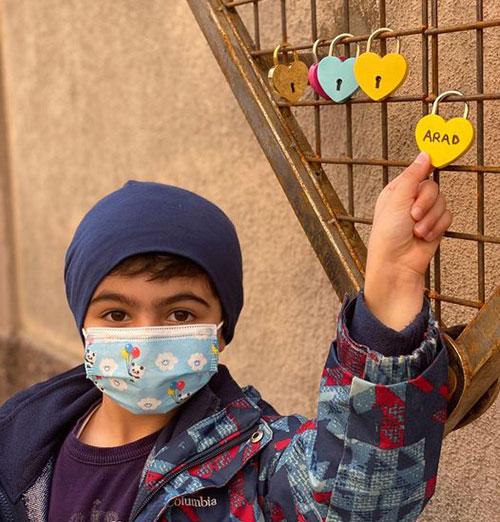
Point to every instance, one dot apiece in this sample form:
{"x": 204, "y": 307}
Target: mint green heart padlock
{"x": 336, "y": 76}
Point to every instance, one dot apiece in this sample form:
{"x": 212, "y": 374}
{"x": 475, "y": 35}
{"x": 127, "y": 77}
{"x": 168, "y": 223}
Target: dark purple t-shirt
{"x": 92, "y": 483}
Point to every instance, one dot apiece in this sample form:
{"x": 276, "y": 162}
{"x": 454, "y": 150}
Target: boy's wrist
{"x": 394, "y": 296}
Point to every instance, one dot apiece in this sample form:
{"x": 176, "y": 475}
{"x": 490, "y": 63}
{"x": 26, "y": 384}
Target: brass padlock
{"x": 289, "y": 81}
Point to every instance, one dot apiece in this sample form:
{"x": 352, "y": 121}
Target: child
{"x": 151, "y": 428}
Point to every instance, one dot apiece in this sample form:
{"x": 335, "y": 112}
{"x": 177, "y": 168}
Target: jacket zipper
{"x": 194, "y": 461}
{"x": 5, "y": 510}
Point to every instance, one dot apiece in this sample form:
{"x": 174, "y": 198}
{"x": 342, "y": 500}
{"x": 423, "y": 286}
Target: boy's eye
{"x": 181, "y": 316}
{"x": 116, "y": 315}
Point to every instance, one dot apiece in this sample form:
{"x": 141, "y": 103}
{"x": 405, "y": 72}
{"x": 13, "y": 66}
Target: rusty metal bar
{"x": 348, "y": 119}
{"x": 256, "y": 24}
{"x": 236, "y": 3}
{"x": 396, "y": 99}
{"x": 456, "y": 235}
{"x": 434, "y": 30}
{"x": 284, "y": 35}
{"x": 480, "y": 150}
{"x": 455, "y": 300}
{"x": 435, "y": 90}
{"x": 342, "y": 160}
{"x": 383, "y": 104}
{"x": 425, "y": 89}
{"x": 317, "y": 114}
{"x": 463, "y": 27}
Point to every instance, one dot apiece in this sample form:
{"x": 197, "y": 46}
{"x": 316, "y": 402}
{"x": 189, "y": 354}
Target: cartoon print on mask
{"x": 134, "y": 369}
{"x": 90, "y": 357}
{"x": 119, "y": 384}
{"x": 108, "y": 367}
{"x": 148, "y": 403}
{"x": 175, "y": 391}
{"x": 166, "y": 361}
{"x": 197, "y": 361}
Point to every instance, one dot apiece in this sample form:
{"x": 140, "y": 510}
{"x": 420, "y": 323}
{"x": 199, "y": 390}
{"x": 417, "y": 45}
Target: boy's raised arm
{"x": 409, "y": 221}
{"x": 372, "y": 452}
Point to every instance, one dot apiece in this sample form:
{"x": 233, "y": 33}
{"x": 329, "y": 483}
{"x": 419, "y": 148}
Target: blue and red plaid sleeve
{"x": 372, "y": 453}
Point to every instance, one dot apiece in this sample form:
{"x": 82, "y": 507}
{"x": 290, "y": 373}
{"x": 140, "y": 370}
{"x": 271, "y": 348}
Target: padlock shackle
{"x": 435, "y": 105}
{"x": 315, "y": 48}
{"x": 380, "y": 31}
{"x": 277, "y": 50}
{"x": 336, "y": 41}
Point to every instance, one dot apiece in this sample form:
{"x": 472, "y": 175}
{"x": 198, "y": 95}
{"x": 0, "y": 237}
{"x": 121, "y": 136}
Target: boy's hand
{"x": 408, "y": 224}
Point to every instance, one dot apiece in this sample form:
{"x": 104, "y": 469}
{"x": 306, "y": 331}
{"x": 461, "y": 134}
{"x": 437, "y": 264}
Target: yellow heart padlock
{"x": 289, "y": 81}
{"x": 443, "y": 140}
{"x": 378, "y": 76}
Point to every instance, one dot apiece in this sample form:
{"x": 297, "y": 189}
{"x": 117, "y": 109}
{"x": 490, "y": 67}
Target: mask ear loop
{"x": 220, "y": 325}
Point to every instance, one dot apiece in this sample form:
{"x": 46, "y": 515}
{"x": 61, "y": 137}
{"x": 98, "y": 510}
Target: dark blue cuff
{"x": 364, "y": 328}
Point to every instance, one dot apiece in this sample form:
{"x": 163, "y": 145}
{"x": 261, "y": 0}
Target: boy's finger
{"x": 440, "y": 227}
{"x": 428, "y": 192}
{"x": 417, "y": 172}
{"x": 429, "y": 221}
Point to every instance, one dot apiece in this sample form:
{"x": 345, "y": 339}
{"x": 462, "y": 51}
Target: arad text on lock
{"x": 437, "y": 137}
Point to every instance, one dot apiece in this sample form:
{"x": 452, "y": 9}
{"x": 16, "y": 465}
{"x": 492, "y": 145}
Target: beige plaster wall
{"x": 102, "y": 91}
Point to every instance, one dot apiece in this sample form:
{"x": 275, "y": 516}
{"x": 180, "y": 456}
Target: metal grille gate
{"x": 333, "y": 221}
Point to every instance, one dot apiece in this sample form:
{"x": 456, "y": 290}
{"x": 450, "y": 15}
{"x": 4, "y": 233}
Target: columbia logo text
{"x": 195, "y": 501}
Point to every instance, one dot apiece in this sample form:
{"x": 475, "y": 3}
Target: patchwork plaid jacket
{"x": 371, "y": 454}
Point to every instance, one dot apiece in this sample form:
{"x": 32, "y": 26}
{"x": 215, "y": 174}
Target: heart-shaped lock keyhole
{"x": 336, "y": 78}
{"x": 335, "y": 73}
{"x": 289, "y": 81}
{"x": 370, "y": 69}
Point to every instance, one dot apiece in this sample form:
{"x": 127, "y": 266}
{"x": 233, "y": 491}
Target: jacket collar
{"x": 211, "y": 442}
{"x": 211, "y": 419}
{"x": 44, "y": 414}
{"x": 33, "y": 425}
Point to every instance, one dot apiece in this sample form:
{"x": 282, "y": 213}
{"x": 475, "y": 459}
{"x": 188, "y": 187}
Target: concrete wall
{"x": 99, "y": 92}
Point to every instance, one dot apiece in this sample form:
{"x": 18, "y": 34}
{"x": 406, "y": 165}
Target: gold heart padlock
{"x": 289, "y": 81}
{"x": 378, "y": 76}
{"x": 444, "y": 141}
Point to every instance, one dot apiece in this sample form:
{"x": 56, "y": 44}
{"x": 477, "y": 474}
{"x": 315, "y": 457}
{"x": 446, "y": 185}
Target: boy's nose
{"x": 146, "y": 319}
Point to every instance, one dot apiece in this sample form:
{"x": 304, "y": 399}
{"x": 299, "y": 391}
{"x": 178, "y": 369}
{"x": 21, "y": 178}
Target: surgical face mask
{"x": 151, "y": 369}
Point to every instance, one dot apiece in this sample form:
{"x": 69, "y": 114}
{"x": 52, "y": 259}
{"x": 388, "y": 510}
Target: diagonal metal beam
{"x": 315, "y": 203}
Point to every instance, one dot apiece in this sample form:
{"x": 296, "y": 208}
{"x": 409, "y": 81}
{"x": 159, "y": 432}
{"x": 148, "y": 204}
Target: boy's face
{"x": 133, "y": 301}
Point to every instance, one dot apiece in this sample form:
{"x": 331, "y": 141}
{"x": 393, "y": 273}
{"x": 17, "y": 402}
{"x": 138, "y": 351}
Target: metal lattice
{"x": 320, "y": 181}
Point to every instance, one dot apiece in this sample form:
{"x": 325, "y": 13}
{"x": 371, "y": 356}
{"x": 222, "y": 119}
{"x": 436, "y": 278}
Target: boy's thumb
{"x": 418, "y": 171}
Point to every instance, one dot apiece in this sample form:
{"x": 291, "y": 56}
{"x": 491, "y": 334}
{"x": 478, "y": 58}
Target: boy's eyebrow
{"x": 181, "y": 296}
{"x": 159, "y": 303}
{"x": 113, "y": 296}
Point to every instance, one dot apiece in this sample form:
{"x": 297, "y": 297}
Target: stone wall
{"x": 98, "y": 92}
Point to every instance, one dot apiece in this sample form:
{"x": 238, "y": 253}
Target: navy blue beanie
{"x": 144, "y": 217}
